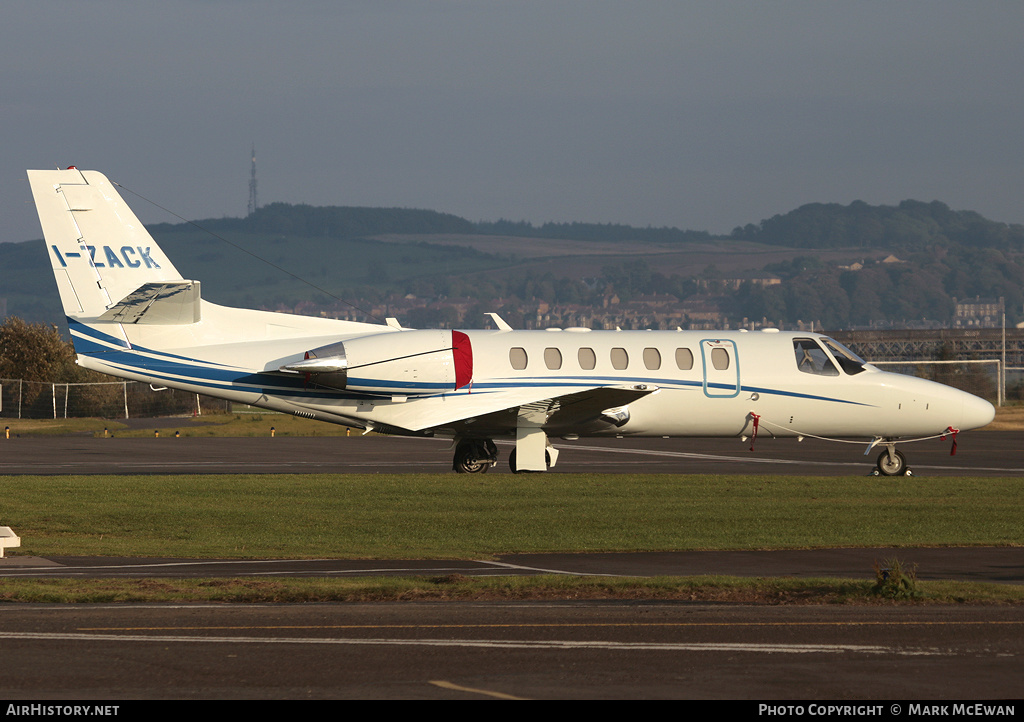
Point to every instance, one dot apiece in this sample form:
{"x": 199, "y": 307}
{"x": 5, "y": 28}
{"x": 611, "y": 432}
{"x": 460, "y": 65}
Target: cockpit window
{"x": 812, "y": 359}
{"x": 850, "y": 362}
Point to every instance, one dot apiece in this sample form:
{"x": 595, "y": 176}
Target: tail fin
{"x": 107, "y": 266}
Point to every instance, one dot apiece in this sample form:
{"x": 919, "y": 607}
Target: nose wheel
{"x": 892, "y": 463}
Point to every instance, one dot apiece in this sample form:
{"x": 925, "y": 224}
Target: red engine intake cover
{"x": 462, "y": 354}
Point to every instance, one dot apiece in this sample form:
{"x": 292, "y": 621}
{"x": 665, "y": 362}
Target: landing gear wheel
{"x": 466, "y": 463}
{"x": 512, "y": 463}
{"x": 474, "y": 457}
{"x": 892, "y": 465}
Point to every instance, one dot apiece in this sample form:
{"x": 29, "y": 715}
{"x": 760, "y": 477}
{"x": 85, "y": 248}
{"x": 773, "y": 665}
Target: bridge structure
{"x": 1003, "y": 349}
{"x": 952, "y": 344}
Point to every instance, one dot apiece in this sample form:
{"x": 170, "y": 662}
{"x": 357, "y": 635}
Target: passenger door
{"x": 721, "y": 368}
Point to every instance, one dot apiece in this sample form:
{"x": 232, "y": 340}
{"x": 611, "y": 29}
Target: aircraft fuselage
{"x": 132, "y": 315}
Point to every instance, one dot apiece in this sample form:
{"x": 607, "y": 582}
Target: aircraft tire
{"x": 470, "y": 466}
{"x": 468, "y": 459}
{"x": 512, "y": 463}
{"x": 896, "y": 466}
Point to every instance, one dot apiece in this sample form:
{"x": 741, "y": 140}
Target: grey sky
{"x": 702, "y": 115}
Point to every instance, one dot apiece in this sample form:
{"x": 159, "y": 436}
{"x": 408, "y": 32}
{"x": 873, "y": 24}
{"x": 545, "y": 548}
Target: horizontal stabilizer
{"x": 168, "y": 304}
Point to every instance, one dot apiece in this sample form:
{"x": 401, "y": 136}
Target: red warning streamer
{"x": 753, "y": 437}
{"x": 954, "y": 432}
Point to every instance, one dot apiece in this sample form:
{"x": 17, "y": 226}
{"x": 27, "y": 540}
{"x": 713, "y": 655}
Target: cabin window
{"x": 552, "y": 358}
{"x": 587, "y": 358}
{"x": 517, "y": 357}
{"x": 620, "y": 359}
{"x": 652, "y": 359}
{"x": 684, "y": 359}
{"x": 812, "y": 359}
{"x": 720, "y": 358}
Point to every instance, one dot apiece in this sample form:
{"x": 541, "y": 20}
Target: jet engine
{"x": 402, "y": 363}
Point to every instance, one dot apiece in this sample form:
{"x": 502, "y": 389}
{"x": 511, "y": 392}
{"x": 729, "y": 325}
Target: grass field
{"x": 460, "y": 588}
{"x": 468, "y": 516}
{"x": 431, "y": 516}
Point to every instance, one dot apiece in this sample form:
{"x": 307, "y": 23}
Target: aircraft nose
{"x": 977, "y": 413}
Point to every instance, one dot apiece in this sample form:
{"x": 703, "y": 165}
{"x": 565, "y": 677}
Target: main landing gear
{"x": 515, "y": 469}
{"x": 474, "y": 456}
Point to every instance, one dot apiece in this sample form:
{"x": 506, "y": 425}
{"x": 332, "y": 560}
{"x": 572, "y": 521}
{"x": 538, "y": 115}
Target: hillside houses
{"x": 654, "y": 311}
{"x": 979, "y": 312}
{"x": 696, "y": 304}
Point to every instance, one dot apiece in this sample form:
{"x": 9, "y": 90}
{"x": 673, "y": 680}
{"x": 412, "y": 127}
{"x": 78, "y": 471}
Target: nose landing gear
{"x": 892, "y": 463}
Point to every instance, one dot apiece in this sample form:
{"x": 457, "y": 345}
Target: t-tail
{"x": 133, "y": 315}
{"x": 107, "y": 266}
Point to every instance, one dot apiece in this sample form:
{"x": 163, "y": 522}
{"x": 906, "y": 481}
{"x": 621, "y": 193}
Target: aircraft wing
{"x": 574, "y": 410}
{"x": 562, "y": 407}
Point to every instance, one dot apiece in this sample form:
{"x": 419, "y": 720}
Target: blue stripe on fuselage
{"x": 173, "y": 368}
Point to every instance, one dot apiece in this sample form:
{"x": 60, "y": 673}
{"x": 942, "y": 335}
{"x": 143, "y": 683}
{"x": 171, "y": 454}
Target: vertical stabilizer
{"x": 99, "y": 251}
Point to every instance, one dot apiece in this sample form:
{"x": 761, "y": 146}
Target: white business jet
{"x": 132, "y": 315}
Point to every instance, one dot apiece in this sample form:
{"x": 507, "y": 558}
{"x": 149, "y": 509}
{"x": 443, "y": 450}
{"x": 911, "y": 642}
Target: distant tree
{"x": 474, "y": 317}
{"x": 35, "y": 352}
{"x": 912, "y": 225}
{"x": 757, "y": 302}
{"x": 423, "y": 317}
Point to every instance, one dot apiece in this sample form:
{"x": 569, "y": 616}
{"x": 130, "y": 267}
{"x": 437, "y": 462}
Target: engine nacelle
{"x": 399, "y": 363}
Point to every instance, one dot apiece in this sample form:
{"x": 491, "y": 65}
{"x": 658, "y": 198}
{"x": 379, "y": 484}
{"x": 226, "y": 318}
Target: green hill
{"x": 908, "y": 227}
{"x": 827, "y": 256}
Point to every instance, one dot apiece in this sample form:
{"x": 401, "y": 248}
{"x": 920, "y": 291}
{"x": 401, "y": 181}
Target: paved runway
{"x": 1003, "y": 565}
{"x": 563, "y": 650}
{"x": 984, "y": 453}
{"x": 560, "y": 650}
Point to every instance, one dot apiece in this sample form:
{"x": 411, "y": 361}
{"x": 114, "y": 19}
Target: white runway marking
{"x": 489, "y": 643}
{"x": 541, "y": 570}
{"x": 763, "y": 460}
{"x": 133, "y": 569}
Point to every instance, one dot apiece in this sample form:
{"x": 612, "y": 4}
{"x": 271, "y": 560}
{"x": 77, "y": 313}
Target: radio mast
{"x": 253, "y": 200}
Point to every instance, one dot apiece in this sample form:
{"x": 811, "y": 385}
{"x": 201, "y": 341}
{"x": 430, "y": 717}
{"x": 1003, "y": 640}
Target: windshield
{"x": 811, "y": 358}
{"x": 850, "y": 362}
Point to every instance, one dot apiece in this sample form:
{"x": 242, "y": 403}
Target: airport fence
{"x": 21, "y": 399}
